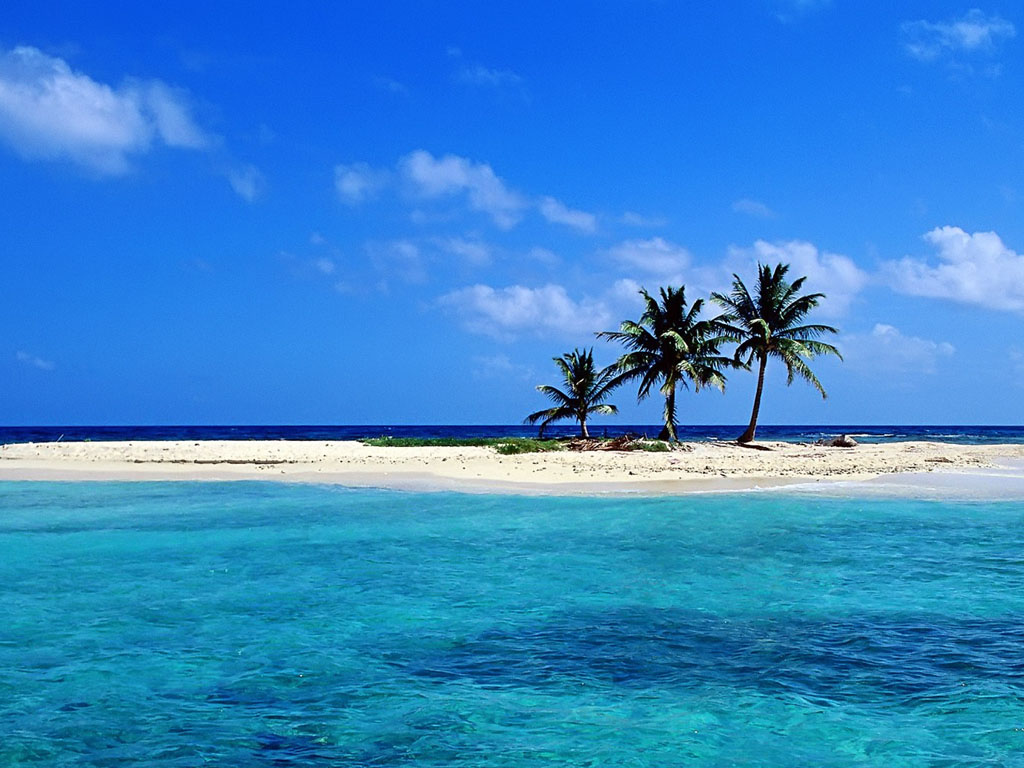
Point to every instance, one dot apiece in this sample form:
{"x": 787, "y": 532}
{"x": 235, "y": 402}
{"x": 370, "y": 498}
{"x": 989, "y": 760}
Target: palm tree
{"x": 586, "y": 390}
{"x": 771, "y": 324}
{"x": 669, "y": 346}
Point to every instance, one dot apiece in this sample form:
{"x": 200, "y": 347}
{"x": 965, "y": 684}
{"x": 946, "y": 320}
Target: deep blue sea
{"x": 257, "y": 624}
{"x": 788, "y": 432}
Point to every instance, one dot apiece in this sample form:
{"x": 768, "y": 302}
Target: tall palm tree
{"x": 669, "y": 346}
{"x": 771, "y": 324}
{"x": 586, "y": 389}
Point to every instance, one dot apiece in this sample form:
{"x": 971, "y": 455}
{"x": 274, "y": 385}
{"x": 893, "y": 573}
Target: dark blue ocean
{"x": 787, "y": 432}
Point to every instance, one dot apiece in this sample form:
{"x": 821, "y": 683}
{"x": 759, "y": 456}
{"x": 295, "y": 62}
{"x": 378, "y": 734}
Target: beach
{"x": 694, "y": 466}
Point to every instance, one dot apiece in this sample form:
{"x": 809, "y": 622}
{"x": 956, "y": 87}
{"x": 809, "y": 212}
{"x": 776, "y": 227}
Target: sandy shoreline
{"x": 704, "y": 466}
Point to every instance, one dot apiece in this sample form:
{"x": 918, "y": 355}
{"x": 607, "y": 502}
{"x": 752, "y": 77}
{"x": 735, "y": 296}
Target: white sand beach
{"x": 692, "y": 467}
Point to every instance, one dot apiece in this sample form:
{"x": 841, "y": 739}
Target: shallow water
{"x": 249, "y": 624}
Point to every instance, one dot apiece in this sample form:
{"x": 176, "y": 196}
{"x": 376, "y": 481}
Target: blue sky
{"x": 399, "y": 212}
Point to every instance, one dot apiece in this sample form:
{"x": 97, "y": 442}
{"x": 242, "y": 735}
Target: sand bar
{"x": 695, "y": 467}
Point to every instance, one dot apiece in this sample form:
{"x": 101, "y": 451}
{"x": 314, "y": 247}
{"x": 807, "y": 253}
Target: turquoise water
{"x": 253, "y": 624}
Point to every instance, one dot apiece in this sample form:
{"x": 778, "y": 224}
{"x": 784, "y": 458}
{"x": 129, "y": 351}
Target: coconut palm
{"x": 586, "y": 389}
{"x": 771, "y": 324}
{"x": 669, "y": 346}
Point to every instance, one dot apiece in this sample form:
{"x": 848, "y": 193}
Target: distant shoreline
{"x": 793, "y": 433}
{"x": 695, "y": 467}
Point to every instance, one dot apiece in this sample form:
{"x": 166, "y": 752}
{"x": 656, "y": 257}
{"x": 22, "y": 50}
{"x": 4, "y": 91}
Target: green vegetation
{"x": 504, "y": 445}
{"x": 510, "y": 447}
{"x": 771, "y": 324}
{"x": 586, "y": 389}
{"x": 669, "y": 346}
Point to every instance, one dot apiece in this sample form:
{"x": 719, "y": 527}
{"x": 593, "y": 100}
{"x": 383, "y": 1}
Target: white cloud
{"x": 505, "y": 313}
{"x": 247, "y": 181}
{"x": 473, "y": 251}
{"x": 833, "y": 274}
{"x": 174, "y": 123}
{"x": 49, "y": 111}
{"x": 391, "y": 85}
{"x": 973, "y": 33}
{"x": 634, "y": 219}
{"x": 557, "y": 212}
{"x": 754, "y": 208}
{"x": 478, "y": 74}
{"x": 358, "y": 182}
{"x": 35, "y": 362}
{"x": 656, "y": 257}
{"x": 452, "y": 175}
{"x": 501, "y": 367}
{"x": 324, "y": 265}
{"x": 974, "y": 269}
{"x": 885, "y": 350}
{"x": 398, "y": 259}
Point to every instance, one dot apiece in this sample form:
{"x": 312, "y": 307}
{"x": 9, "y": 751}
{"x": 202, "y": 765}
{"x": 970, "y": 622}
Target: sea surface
{"x": 257, "y": 624}
{"x": 786, "y": 432}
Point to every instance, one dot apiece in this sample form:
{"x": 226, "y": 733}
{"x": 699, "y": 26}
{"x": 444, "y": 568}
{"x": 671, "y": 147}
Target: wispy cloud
{"x": 434, "y": 177}
{"x": 358, "y": 182}
{"x": 401, "y": 260}
{"x": 426, "y": 177}
{"x": 977, "y": 269}
{"x": 477, "y": 74}
{"x": 500, "y": 366}
{"x": 506, "y": 313}
{"x": 247, "y": 181}
{"x": 472, "y": 251}
{"x": 755, "y": 208}
{"x": 792, "y": 10}
{"x": 634, "y": 219}
{"x": 391, "y": 85}
{"x": 835, "y": 275}
{"x": 558, "y": 212}
{"x": 35, "y": 362}
{"x": 886, "y": 350}
{"x": 655, "y": 257}
{"x": 973, "y": 33}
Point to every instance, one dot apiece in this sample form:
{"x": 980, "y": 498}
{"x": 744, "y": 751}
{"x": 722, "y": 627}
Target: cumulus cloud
{"x": 505, "y": 313}
{"x": 975, "y": 32}
{"x": 49, "y": 111}
{"x": 833, "y": 274}
{"x": 358, "y": 182}
{"x": 450, "y": 175}
{"x": 754, "y": 208}
{"x": 35, "y": 361}
{"x": 656, "y": 257}
{"x": 557, "y": 212}
{"x": 976, "y": 269}
{"x": 886, "y": 350}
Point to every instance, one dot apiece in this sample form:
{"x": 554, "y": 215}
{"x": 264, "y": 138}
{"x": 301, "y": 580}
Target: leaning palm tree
{"x": 586, "y": 389}
{"x": 771, "y": 324}
{"x": 670, "y": 346}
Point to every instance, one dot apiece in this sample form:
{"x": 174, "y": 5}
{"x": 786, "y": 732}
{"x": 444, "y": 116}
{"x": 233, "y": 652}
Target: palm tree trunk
{"x": 748, "y": 435}
{"x": 583, "y": 428}
{"x": 668, "y": 432}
